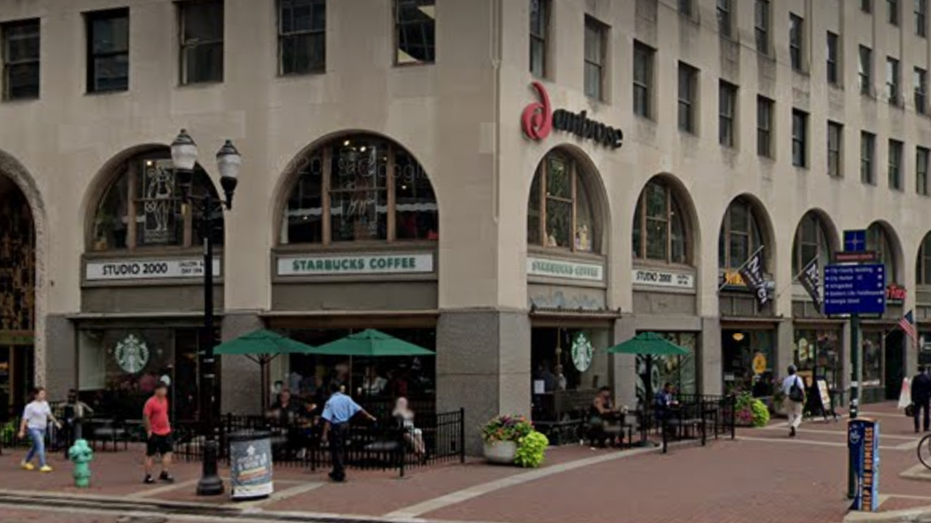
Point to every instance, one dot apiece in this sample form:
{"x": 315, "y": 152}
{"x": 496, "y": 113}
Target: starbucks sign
{"x": 355, "y": 264}
{"x": 132, "y": 354}
{"x": 582, "y": 352}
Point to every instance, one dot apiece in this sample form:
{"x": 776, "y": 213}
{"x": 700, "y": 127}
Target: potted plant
{"x": 531, "y": 450}
{"x": 502, "y": 435}
{"x": 751, "y": 412}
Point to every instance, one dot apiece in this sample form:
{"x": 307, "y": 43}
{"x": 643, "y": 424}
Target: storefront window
{"x": 818, "y": 354}
{"x": 568, "y": 366}
{"x": 677, "y": 370}
{"x": 749, "y": 361}
{"x": 811, "y": 241}
{"x": 872, "y": 358}
{"x": 659, "y": 230}
{"x": 923, "y": 270}
{"x": 877, "y": 239}
{"x": 924, "y": 348}
{"x": 560, "y": 213}
{"x": 740, "y": 235}
{"x": 142, "y": 208}
{"x": 360, "y": 188}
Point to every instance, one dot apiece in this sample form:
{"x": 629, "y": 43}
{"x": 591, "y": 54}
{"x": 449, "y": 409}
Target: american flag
{"x": 908, "y": 325}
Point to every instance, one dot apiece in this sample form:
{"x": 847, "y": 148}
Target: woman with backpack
{"x": 794, "y": 388}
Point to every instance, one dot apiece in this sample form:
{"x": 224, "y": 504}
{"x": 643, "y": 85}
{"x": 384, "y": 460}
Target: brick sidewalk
{"x": 762, "y": 477}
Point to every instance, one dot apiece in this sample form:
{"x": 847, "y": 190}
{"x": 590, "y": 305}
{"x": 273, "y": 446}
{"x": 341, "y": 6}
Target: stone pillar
{"x": 240, "y": 386}
{"x": 483, "y": 366}
{"x": 625, "y": 365}
{"x": 61, "y": 358}
{"x": 712, "y": 379}
{"x": 785, "y": 356}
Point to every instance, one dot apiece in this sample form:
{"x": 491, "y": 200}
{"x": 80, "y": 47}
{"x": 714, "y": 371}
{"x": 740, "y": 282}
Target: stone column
{"x": 785, "y": 338}
{"x": 625, "y": 365}
{"x": 61, "y": 361}
{"x": 240, "y": 386}
{"x": 483, "y": 366}
{"x": 712, "y": 379}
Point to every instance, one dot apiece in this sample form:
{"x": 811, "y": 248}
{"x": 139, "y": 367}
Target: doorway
{"x": 895, "y": 363}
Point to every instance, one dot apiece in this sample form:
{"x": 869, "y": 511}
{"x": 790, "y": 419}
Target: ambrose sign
{"x": 538, "y": 120}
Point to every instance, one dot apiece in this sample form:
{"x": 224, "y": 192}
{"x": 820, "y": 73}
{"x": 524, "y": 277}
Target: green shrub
{"x": 760, "y": 413}
{"x": 531, "y": 449}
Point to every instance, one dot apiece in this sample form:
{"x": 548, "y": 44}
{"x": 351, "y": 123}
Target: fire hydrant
{"x": 81, "y": 455}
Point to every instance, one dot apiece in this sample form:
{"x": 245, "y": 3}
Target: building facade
{"x": 506, "y": 182}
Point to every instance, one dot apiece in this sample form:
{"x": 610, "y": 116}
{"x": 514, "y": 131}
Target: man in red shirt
{"x": 158, "y": 432}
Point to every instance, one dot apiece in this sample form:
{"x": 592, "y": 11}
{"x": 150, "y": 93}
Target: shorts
{"x": 159, "y": 445}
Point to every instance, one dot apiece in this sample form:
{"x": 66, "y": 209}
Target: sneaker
{"x": 27, "y": 466}
{"x": 148, "y": 479}
{"x": 45, "y": 469}
{"x": 166, "y": 477}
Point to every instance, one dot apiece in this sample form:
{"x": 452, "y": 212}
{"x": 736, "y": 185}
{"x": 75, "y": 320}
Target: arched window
{"x": 924, "y": 262}
{"x": 560, "y": 213}
{"x": 360, "y": 188}
{"x": 659, "y": 226}
{"x": 877, "y": 239}
{"x": 142, "y": 207}
{"x": 811, "y": 241}
{"x": 740, "y": 235}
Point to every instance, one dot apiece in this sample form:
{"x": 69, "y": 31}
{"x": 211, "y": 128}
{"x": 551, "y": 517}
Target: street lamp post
{"x": 184, "y": 157}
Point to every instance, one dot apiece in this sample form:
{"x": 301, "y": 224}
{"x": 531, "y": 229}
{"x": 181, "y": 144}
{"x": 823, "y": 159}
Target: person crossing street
{"x": 921, "y": 397}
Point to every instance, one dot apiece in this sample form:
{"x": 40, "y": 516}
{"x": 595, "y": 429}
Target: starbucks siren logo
{"x": 582, "y": 352}
{"x": 132, "y": 354}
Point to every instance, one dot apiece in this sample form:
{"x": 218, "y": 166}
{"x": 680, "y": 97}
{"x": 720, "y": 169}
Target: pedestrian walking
{"x": 921, "y": 397}
{"x": 337, "y": 413}
{"x": 36, "y": 416}
{"x": 158, "y": 434}
{"x": 794, "y": 388}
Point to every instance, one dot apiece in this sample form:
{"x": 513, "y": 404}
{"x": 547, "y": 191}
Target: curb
{"x": 912, "y": 515}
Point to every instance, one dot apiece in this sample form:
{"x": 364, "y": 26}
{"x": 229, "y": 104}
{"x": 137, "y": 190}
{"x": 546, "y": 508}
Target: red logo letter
{"x": 537, "y": 119}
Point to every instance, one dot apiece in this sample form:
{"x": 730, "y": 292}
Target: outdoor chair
{"x": 108, "y": 430}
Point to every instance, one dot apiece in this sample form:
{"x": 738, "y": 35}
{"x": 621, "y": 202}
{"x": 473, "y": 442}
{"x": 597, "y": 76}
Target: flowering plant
{"x": 506, "y": 428}
{"x": 751, "y": 412}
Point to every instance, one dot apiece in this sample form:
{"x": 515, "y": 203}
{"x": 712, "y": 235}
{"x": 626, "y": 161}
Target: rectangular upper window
{"x": 893, "y": 80}
{"x": 867, "y": 154}
{"x": 835, "y": 144}
{"x": 415, "y": 31}
{"x": 797, "y": 42}
{"x": 20, "y": 55}
{"x": 688, "y": 98}
{"x": 866, "y": 6}
{"x": 833, "y": 59}
{"x": 727, "y": 113}
{"x": 921, "y": 90}
{"x": 539, "y": 36}
{"x": 764, "y": 126}
{"x": 643, "y": 80}
{"x": 687, "y": 8}
{"x": 596, "y": 46}
{"x": 921, "y": 18}
{"x": 865, "y": 70}
{"x": 921, "y": 170}
{"x": 761, "y": 26}
{"x": 107, "y": 50}
{"x": 892, "y": 11}
{"x": 895, "y": 165}
{"x": 201, "y": 41}
{"x": 799, "y": 138}
{"x": 725, "y": 18}
{"x": 301, "y": 36}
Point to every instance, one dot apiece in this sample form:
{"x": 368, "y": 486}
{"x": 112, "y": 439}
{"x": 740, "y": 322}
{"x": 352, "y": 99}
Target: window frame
{"x": 91, "y": 57}
{"x": 578, "y": 184}
{"x": 8, "y": 64}
{"x": 800, "y": 138}
{"x": 727, "y": 114}
{"x": 601, "y": 31}
{"x": 922, "y": 159}
{"x": 754, "y": 229}
{"x": 835, "y": 154}
{"x": 642, "y": 218}
{"x": 541, "y": 39}
{"x": 896, "y": 172}
{"x": 921, "y": 18}
{"x": 689, "y": 104}
{"x": 822, "y": 242}
{"x": 892, "y": 12}
{"x": 761, "y": 28}
{"x": 686, "y": 8}
{"x": 865, "y": 70}
{"x": 877, "y": 239}
{"x": 285, "y": 36}
{"x": 923, "y": 276}
{"x": 833, "y": 59}
{"x": 398, "y": 24}
{"x": 648, "y": 55}
{"x": 725, "y": 13}
{"x": 797, "y": 43}
{"x": 867, "y": 158}
{"x": 893, "y": 80}
{"x": 764, "y": 134}
{"x": 920, "y": 78}
{"x": 184, "y": 45}
{"x": 866, "y": 6}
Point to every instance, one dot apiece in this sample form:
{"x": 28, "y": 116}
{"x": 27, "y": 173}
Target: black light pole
{"x": 184, "y": 157}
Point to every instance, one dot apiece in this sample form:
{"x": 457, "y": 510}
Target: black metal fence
{"x": 385, "y": 445}
{"x": 697, "y": 416}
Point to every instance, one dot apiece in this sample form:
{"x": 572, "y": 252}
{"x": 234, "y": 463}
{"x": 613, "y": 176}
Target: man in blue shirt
{"x": 337, "y": 412}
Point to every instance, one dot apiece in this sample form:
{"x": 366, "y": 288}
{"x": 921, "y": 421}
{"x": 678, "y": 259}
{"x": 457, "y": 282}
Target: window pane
{"x": 416, "y": 20}
{"x": 533, "y": 213}
{"x": 111, "y": 34}
{"x": 558, "y": 223}
{"x": 112, "y": 219}
{"x": 416, "y": 213}
{"x": 303, "y": 15}
{"x": 538, "y": 17}
{"x": 303, "y": 53}
{"x": 656, "y": 201}
{"x": 304, "y": 217}
{"x": 593, "y": 43}
{"x": 559, "y": 179}
{"x": 656, "y": 239}
{"x": 158, "y": 206}
{"x": 111, "y": 73}
{"x": 592, "y": 81}
{"x": 678, "y": 240}
{"x": 638, "y": 233}
{"x": 204, "y": 63}
{"x": 21, "y": 41}
{"x": 740, "y": 249}
{"x": 358, "y": 216}
{"x": 739, "y": 218}
{"x": 584, "y": 220}
{"x": 203, "y": 21}
{"x": 22, "y": 81}
{"x": 537, "y": 57}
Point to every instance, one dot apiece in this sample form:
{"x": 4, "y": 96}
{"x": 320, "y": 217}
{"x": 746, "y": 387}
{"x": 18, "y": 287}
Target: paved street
{"x": 763, "y": 477}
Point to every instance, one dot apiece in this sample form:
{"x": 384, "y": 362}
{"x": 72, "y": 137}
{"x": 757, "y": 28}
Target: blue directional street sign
{"x": 854, "y": 241}
{"x": 854, "y": 289}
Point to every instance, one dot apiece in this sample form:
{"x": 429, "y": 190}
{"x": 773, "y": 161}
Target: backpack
{"x": 796, "y": 393}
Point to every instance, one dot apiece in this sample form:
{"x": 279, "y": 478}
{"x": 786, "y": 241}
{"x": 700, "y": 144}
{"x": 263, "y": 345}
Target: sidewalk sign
{"x": 821, "y": 400}
{"x": 863, "y": 444}
{"x": 905, "y": 397}
{"x": 251, "y": 466}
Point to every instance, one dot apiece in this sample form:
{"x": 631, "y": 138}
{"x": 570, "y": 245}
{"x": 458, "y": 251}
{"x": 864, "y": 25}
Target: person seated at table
{"x": 603, "y": 417}
{"x": 412, "y": 434}
{"x": 561, "y": 382}
{"x": 372, "y": 383}
{"x": 666, "y": 398}
{"x": 286, "y": 414}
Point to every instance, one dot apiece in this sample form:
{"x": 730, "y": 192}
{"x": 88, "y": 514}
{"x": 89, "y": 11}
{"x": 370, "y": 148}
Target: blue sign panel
{"x": 854, "y": 241}
{"x": 854, "y": 289}
{"x": 863, "y": 444}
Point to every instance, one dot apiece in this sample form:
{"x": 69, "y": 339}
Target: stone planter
{"x": 501, "y": 452}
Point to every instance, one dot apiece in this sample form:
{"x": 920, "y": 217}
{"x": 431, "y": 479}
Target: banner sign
{"x": 355, "y": 264}
{"x": 661, "y": 278}
{"x": 117, "y": 270}
{"x": 251, "y": 467}
{"x": 752, "y": 274}
{"x": 810, "y": 278}
{"x": 863, "y": 444}
{"x": 564, "y": 269}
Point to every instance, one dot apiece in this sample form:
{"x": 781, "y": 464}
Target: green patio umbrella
{"x": 649, "y": 344}
{"x": 370, "y": 343}
{"x": 262, "y": 346}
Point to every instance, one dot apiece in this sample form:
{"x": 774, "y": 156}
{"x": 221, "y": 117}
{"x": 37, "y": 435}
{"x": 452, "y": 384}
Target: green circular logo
{"x": 582, "y": 352}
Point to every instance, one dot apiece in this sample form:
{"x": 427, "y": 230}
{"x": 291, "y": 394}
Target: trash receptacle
{"x": 250, "y": 465}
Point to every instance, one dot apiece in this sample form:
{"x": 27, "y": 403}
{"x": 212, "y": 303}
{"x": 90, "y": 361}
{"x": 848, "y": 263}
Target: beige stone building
{"x": 398, "y": 175}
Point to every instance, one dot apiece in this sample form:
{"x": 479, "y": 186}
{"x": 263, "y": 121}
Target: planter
{"x": 501, "y": 452}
